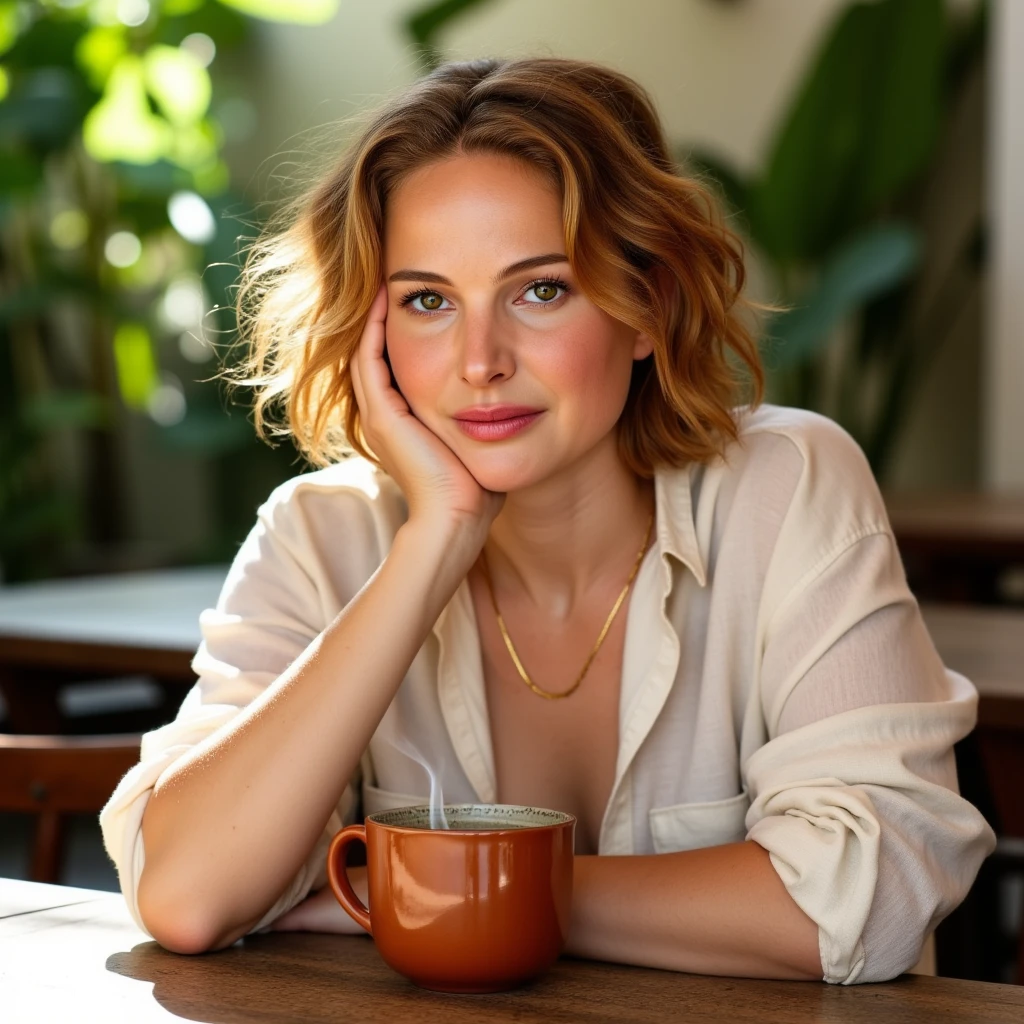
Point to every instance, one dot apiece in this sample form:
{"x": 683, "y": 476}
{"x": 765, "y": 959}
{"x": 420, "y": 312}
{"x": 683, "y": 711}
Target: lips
{"x": 492, "y": 413}
{"x": 496, "y": 422}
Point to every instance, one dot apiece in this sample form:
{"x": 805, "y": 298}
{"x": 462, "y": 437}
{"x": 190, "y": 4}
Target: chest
{"x": 559, "y": 753}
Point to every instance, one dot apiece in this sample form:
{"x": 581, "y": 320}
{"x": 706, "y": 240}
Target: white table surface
{"x": 146, "y": 609}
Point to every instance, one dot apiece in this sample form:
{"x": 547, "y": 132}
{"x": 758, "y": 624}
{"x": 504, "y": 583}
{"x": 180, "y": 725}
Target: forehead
{"x": 473, "y": 203}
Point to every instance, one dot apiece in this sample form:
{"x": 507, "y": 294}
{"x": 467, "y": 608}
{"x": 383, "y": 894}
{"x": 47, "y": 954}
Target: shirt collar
{"x": 674, "y": 512}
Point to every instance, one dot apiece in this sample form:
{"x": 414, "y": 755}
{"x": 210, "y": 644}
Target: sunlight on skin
{"x": 535, "y": 339}
{"x": 489, "y": 343}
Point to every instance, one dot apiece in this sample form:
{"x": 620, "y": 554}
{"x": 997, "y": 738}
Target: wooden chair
{"x": 52, "y": 776}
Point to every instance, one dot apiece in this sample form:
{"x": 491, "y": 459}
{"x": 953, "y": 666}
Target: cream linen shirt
{"x": 778, "y": 684}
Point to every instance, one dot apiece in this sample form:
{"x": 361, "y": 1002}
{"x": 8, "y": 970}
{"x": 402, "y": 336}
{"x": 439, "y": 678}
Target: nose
{"x": 485, "y": 355}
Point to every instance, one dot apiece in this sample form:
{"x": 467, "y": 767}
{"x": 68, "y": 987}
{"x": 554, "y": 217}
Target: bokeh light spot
{"x": 69, "y": 229}
{"x": 123, "y": 248}
{"x": 183, "y": 304}
{"x": 201, "y": 46}
{"x": 167, "y": 404}
{"x": 132, "y": 12}
{"x": 195, "y": 348}
{"x": 191, "y": 217}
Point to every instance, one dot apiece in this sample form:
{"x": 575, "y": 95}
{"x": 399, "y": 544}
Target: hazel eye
{"x": 547, "y": 291}
{"x": 430, "y": 302}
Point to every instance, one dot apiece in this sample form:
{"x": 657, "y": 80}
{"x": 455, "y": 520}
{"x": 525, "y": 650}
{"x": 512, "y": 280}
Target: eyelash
{"x": 409, "y": 296}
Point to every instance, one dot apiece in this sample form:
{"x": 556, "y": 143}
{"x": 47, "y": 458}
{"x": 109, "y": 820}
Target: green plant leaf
{"x": 195, "y": 145}
{"x": 9, "y": 21}
{"x": 904, "y": 100}
{"x": 869, "y": 265}
{"x": 98, "y": 52}
{"x": 299, "y": 12}
{"x": 122, "y": 126}
{"x": 424, "y": 24}
{"x": 135, "y": 364}
{"x": 179, "y": 84}
{"x": 860, "y": 128}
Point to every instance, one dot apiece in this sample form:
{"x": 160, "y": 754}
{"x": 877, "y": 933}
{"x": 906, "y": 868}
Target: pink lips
{"x": 495, "y": 422}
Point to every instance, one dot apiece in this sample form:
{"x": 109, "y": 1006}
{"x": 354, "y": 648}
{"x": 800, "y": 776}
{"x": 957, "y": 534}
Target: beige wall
{"x": 1004, "y": 364}
{"x": 720, "y": 72}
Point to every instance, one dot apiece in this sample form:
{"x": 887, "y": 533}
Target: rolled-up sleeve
{"x": 854, "y": 794}
{"x": 268, "y": 612}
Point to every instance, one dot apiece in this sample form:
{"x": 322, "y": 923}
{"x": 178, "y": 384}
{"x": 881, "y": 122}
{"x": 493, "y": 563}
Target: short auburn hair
{"x": 307, "y": 287}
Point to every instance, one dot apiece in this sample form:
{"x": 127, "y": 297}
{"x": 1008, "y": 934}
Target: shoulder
{"x": 811, "y": 435}
{"x": 787, "y": 497}
{"x": 350, "y": 507}
{"x": 832, "y": 483}
{"x": 353, "y": 487}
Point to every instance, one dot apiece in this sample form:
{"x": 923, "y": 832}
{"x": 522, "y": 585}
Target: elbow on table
{"x": 180, "y": 925}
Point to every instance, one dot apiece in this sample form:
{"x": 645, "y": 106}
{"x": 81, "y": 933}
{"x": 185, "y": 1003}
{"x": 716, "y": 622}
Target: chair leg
{"x": 48, "y": 848}
{"x": 1020, "y": 955}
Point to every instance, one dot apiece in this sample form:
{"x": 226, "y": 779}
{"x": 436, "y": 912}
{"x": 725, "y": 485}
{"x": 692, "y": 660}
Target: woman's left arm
{"x": 720, "y": 910}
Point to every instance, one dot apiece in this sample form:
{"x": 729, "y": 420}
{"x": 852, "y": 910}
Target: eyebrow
{"x": 514, "y": 268}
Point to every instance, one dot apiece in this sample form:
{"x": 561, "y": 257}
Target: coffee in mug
{"x": 481, "y": 906}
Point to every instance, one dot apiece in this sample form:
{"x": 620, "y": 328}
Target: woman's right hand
{"x": 435, "y": 482}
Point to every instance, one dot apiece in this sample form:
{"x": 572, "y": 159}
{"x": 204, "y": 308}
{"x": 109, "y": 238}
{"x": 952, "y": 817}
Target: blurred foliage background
{"x": 119, "y": 234}
{"x": 121, "y": 228}
{"x": 838, "y": 214}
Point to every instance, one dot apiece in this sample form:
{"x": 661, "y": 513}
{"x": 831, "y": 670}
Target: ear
{"x": 644, "y": 344}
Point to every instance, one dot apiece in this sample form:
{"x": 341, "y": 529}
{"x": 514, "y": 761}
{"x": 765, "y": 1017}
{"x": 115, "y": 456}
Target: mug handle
{"x": 338, "y": 876}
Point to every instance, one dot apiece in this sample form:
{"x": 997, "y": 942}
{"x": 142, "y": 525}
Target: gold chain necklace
{"x": 546, "y": 694}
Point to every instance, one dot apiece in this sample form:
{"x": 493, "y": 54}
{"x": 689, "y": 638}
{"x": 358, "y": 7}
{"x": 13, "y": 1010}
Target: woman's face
{"x": 470, "y": 327}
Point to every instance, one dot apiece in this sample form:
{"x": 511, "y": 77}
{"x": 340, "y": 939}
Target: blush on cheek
{"x": 420, "y": 377}
{"x": 590, "y": 369}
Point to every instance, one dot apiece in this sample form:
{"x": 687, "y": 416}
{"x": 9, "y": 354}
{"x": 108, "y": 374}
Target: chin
{"x": 507, "y": 471}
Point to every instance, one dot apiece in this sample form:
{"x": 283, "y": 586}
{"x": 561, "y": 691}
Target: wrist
{"x": 435, "y": 556}
{"x": 444, "y": 539}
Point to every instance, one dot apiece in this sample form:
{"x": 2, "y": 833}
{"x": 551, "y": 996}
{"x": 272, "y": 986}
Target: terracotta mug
{"x": 481, "y": 906}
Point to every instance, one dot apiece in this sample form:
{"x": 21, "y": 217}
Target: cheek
{"x": 589, "y": 369}
{"x": 419, "y": 368}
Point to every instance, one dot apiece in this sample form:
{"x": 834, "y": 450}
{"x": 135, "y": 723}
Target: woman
{"x": 566, "y": 568}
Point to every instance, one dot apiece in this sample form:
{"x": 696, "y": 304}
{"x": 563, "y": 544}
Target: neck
{"x": 559, "y": 538}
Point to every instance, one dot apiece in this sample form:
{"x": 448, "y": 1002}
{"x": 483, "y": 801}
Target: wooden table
{"x": 65, "y": 631}
{"x": 987, "y": 646}
{"x": 961, "y": 546}
{"x": 975, "y": 520}
{"x": 75, "y": 955}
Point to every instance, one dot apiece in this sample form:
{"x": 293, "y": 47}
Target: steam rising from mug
{"x": 438, "y": 819}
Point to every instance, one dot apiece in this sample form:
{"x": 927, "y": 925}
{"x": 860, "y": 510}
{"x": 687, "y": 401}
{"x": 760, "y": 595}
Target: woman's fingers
{"x": 374, "y": 375}
{"x": 373, "y": 317}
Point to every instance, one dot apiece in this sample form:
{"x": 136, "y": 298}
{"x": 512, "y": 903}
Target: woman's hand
{"x": 435, "y": 482}
{"x": 321, "y": 911}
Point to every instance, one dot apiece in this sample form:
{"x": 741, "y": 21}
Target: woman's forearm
{"x": 720, "y": 910}
{"x": 229, "y": 824}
